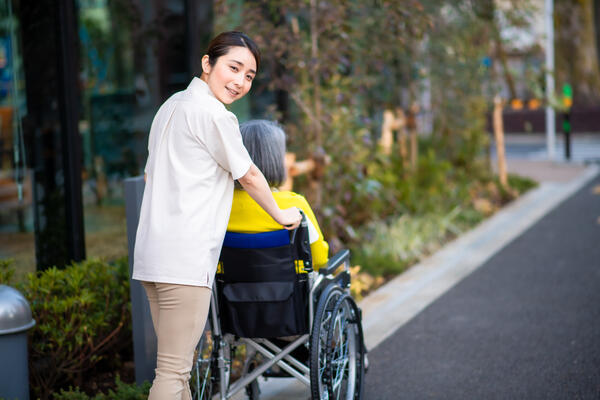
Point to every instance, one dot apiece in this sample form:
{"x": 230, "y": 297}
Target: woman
{"x": 195, "y": 152}
{"x": 265, "y": 142}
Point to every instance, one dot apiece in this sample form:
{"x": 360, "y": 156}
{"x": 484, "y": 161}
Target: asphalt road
{"x": 525, "y": 325}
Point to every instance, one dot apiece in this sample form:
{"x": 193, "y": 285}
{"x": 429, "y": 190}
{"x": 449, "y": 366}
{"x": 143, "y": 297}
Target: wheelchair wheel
{"x": 319, "y": 373}
{"x": 205, "y": 378}
{"x": 345, "y": 351}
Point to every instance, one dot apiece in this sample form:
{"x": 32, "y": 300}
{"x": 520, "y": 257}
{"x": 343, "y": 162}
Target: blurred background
{"x": 80, "y": 81}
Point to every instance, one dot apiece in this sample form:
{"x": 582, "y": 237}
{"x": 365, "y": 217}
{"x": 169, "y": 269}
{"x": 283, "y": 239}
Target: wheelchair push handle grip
{"x": 303, "y": 224}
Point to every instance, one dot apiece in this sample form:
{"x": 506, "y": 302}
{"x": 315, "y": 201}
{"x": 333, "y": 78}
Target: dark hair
{"x": 265, "y": 142}
{"x": 221, "y": 44}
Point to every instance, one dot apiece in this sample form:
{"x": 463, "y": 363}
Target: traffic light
{"x": 567, "y": 98}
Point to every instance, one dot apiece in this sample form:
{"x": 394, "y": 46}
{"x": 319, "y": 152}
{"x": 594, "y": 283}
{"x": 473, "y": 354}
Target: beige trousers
{"x": 179, "y": 314}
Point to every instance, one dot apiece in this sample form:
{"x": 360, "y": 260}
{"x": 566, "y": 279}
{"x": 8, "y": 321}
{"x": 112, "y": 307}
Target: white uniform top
{"x": 195, "y": 153}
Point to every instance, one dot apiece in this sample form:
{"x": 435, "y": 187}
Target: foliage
{"x": 123, "y": 391}
{"x": 387, "y": 248}
{"x": 6, "y": 271}
{"x": 520, "y": 183}
{"x": 459, "y": 40}
{"x": 322, "y": 56}
{"x": 82, "y": 316}
{"x": 577, "y": 58}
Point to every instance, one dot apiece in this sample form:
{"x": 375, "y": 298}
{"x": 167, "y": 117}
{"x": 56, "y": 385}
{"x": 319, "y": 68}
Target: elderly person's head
{"x": 265, "y": 141}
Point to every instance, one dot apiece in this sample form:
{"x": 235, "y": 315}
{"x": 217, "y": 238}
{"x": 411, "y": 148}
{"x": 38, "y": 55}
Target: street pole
{"x": 550, "y": 122}
{"x": 567, "y": 132}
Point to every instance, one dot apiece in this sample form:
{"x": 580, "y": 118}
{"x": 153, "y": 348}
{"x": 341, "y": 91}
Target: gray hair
{"x": 265, "y": 142}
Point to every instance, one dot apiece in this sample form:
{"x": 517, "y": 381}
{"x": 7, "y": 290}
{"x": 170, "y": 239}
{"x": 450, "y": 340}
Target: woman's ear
{"x": 205, "y": 64}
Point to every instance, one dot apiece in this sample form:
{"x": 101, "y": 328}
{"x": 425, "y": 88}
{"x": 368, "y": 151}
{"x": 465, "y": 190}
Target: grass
{"x": 389, "y": 248}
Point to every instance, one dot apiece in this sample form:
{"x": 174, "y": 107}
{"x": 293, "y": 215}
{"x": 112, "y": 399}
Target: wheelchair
{"x": 272, "y": 315}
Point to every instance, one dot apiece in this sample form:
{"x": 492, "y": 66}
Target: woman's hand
{"x": 290, "y": 218}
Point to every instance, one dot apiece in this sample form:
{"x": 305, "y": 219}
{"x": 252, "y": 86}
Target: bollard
{"x": 144, "y": 338}
{"x": 15, "y": 320}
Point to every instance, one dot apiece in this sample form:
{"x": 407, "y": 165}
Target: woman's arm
{"x": 257, "y": 187}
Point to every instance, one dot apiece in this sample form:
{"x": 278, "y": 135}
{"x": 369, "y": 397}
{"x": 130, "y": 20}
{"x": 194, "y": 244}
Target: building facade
{"x": 80, "y": 81}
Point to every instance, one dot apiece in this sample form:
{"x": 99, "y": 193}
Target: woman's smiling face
{"x": 230, "y": 78}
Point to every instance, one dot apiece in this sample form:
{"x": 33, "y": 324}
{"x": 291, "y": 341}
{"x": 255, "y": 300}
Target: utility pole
{"x": 550, "y": 122}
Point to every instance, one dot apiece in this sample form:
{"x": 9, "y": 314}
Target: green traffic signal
{"x": 567, "y": 95}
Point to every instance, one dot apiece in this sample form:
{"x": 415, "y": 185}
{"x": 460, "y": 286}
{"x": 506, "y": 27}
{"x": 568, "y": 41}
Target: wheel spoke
{"x": 344, "y": 340}
{"x": 340, "y": 356}
{"x": 203, "y": 385}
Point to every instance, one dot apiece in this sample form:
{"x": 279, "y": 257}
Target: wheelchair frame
{"x": 332, "y": 288}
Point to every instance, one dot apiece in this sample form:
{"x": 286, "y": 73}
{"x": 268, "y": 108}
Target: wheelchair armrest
{"x": 334, "y": 262}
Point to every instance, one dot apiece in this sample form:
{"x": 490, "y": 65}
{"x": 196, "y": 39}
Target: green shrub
{"x": 123, "y": 391}
{"x": 520, "y": 183}
{"x": 82, "y": 316}
{"x": 387, "y": 249}
{"x": 6, "y": 271}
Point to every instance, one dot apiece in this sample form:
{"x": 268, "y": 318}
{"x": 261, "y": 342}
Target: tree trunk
{"x": 499, "y": 137}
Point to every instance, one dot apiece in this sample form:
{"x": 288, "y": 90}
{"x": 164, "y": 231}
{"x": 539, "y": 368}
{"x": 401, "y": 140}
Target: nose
{"x": 239, "y": 80}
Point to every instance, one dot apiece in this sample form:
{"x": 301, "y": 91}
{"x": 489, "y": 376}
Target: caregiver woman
{"x": 195, "y": 154}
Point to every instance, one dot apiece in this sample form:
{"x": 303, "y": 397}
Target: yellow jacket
{"x": 248, "y": 217}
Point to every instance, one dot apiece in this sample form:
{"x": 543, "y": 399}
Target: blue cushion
{"x": 257, "y": 240}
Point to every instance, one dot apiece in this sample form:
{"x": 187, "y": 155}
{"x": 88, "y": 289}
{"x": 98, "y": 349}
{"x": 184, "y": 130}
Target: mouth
{"x": 232, "y": 93}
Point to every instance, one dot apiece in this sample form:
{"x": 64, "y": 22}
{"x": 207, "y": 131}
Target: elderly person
{"x": 265, "y": 142}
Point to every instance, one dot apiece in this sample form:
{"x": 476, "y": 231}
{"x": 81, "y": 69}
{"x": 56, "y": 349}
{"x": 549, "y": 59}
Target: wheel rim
{"x": 319, "y": 381}
{"x": 342, "y": 350}
{"x": 201, "y": 380}
{"x": 205, "y": 375}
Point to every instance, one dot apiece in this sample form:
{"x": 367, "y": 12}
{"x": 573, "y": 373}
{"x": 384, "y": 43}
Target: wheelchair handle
{"x": 303, "y": 223}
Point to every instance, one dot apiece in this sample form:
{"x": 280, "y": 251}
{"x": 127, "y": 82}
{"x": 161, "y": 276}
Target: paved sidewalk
{"x": 585, "y": 147}
{"x": 544, "y": 171}
{"x": 393, "y": 305}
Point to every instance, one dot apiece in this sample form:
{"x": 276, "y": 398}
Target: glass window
{"x": 131, "y": 60}
{"x": 16, "y": 217}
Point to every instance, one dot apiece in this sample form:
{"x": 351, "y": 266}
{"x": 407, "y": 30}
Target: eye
{"x": 234, "y": 68}
{"x": 249, "y": 78}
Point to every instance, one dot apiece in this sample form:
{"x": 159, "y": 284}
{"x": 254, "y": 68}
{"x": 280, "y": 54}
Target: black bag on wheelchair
{"x": 263, "y": 283}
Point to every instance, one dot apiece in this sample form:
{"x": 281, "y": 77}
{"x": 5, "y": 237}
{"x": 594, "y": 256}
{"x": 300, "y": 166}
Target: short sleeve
{"x": 224, "y": 143}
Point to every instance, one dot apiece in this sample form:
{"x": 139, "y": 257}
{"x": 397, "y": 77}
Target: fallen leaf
{"x": 483, "y": 205}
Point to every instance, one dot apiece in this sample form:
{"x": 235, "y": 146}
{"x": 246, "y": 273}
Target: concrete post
{"x": 144, "y": 338}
